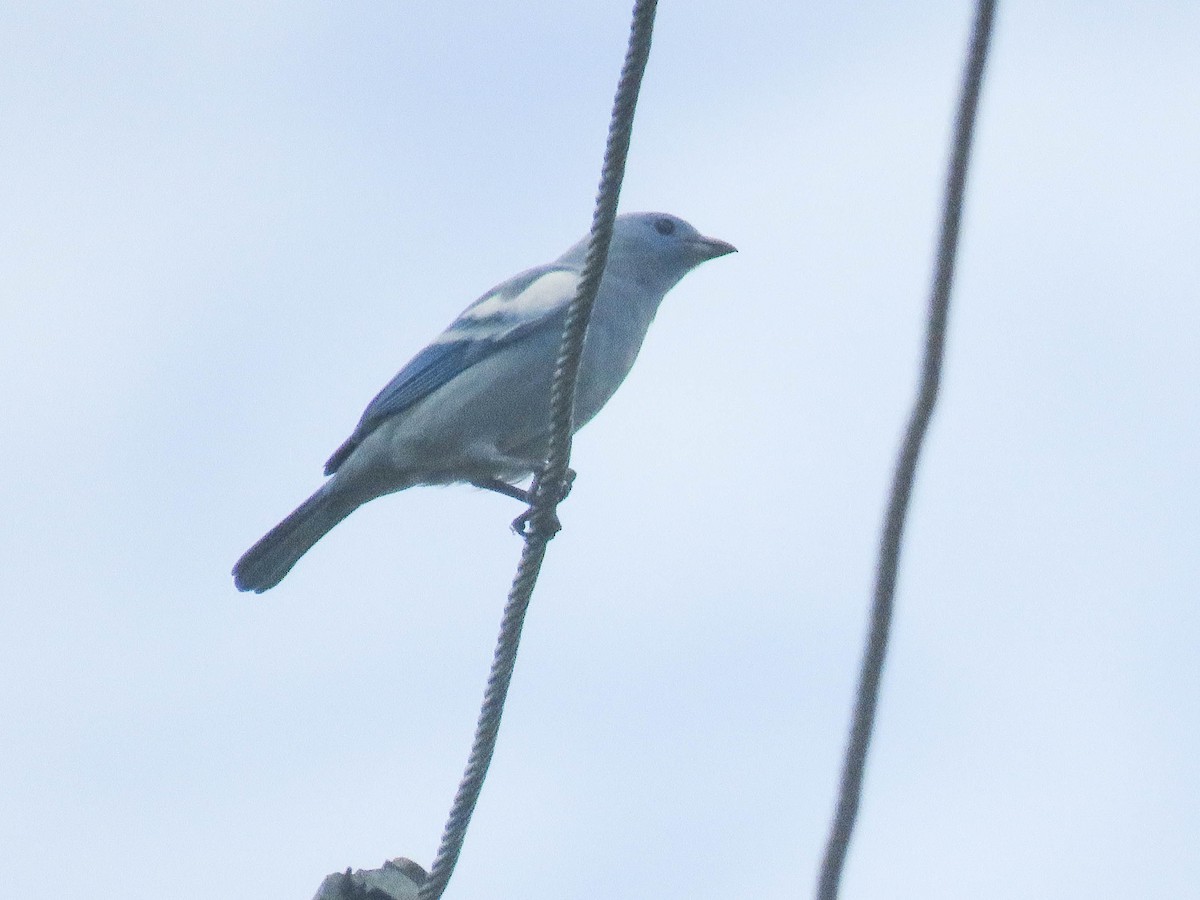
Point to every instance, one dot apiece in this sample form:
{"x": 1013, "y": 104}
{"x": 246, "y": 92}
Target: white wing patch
{"x": 539, "y": 298}
{"x": 497, "y": 314}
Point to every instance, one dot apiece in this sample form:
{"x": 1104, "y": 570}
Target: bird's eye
{"x": 664, "y": 226}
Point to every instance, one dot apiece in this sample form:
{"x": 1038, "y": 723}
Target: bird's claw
{"x": 524, "y": 524}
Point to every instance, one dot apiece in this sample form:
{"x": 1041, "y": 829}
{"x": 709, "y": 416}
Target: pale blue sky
{"x": 224, "y": 227}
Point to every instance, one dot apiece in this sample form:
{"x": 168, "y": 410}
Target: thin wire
{"x": 906, "y": 465}
{"x": 547, "y": 487}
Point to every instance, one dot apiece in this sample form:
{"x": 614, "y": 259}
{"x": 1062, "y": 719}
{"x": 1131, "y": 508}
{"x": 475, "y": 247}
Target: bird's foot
{"x": 524, "y": 524}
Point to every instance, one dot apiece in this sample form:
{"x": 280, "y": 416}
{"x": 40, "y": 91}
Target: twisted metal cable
{"x": 902, "y": 484}
{"x": 547, "y": 487}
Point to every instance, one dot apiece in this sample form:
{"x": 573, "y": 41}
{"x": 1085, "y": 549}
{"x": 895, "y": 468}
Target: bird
{"x": 473, "y": 407}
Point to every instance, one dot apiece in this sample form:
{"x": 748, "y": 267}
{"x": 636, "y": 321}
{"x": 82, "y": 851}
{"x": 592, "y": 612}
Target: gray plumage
{"x": 474, "y": 405}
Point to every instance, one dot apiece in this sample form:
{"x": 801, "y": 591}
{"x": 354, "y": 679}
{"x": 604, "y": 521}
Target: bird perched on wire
{"x": 474, "y": 406}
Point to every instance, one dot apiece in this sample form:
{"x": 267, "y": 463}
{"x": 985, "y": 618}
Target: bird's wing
{"x": 503, "y": 315}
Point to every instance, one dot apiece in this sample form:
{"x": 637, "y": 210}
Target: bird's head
{"x": 656, "y": 249}
{"x": 660, "y": 247}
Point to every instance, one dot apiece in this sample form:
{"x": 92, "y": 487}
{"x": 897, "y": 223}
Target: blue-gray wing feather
{"x": 445, "y": 360}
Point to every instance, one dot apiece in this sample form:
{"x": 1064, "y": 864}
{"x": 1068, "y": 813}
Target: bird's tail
{"x": 264, "y": 565}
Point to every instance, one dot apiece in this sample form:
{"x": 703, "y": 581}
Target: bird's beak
{"x": 710, "y": 248}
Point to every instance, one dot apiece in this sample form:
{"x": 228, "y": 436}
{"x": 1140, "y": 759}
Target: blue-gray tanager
{"x": 474, "y": 406}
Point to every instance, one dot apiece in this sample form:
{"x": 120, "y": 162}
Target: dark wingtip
{"x": 339, "y": 456}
